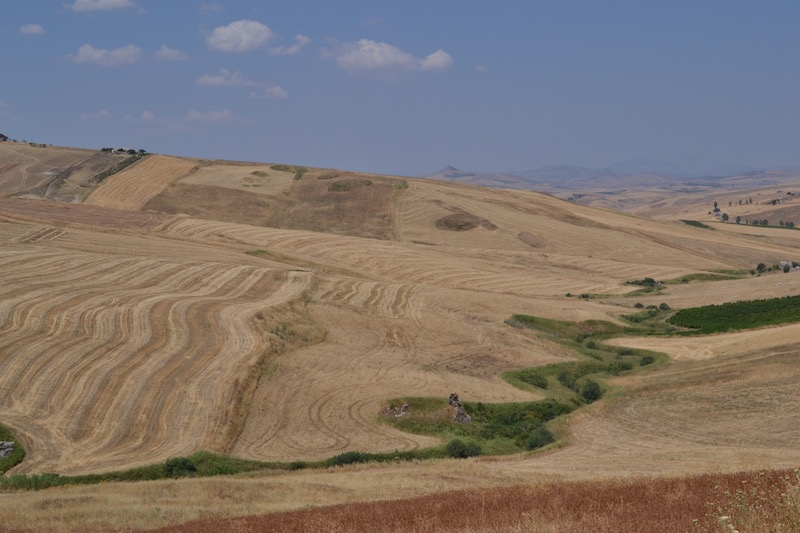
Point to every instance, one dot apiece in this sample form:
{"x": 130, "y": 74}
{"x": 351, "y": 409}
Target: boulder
{"x": 6, "y": 448}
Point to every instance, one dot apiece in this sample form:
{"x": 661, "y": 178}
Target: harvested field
{"x": 65, "y": 214}
{"x": 113, "y": 335}
{"x": 136, "y": 185}
{"x": 258, "y": 179}
{"x": 24, "y": 167}
{"x": 276, "y": 325}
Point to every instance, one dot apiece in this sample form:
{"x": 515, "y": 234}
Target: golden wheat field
{"x": 192, "y": 305}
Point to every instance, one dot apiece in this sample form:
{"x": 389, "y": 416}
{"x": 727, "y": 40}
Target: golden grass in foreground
{"x": 752, "y": 502}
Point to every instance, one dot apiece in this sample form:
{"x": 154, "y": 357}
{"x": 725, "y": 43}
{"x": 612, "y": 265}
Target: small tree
{"x": 761, "y": 268}
{"x": 179, "y": 467}
{"x": 540, "y": 436}
{"x": 724, "y": 217}
{"x": 460, "y": 450}
{"x": 591, "y": 391}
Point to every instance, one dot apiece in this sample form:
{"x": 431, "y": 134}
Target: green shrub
{"x": 540, "y": 436}
{"x": 298, "y": 173}
{"x": 638, "y": 305}
{"x": 624, "y": 351}
{"x": 179, "y": 467}
{"x": 664, "y": 307}
{"x": 459, "y": 449}
{"x": 535, "y": 379}
{"x": 591, "y": 345}
{"x": 348, "y": 458}
{"x": 591, "y": 391}
{"x": 619, "y": 366}
{"x": 647, "y": 360}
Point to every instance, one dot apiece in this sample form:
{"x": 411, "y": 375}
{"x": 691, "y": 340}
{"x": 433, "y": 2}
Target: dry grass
{"x": 135, "y": 186}
{"x": 750, "y": 502}
{"x": 25, "y": 167}
{"x": 130, "y": 337}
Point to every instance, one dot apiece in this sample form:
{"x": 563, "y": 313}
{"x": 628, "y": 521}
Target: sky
{"x": 409, "y": 87}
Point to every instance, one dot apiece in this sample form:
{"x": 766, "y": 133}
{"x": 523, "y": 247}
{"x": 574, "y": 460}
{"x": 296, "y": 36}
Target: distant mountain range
{"x": 632, "y": 173}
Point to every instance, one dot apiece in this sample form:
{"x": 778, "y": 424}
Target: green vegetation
{"x": 281, "y": 168}
{"x": 348, "y": 185}
{"x": 697, "y": 224}
{"x": 259, "y": 173}
{"x": 497, "y": 428}
{"x": 298, "y": 173}
{"x": 735, "y": 316}
{"x": 458, "y": 449}
{"x": 116, "y": 168}
{"x": 17, "y": 453}
{"x": 200, "y": 464}
{"x": 705, "y": 276}
{"x": 349, "y": 458}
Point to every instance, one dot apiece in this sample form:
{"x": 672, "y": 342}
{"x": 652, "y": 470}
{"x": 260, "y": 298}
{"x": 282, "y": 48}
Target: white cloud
{"x": 215, "y": 117}
{"x": 481, "y": 68}
{"x": 169, "y": 54}
{"x": 239, "y": 36}
{"x": 100, "y": 115}
{"x": 372, "y": 56}
{"x": 226, "y": 78}
{"x": 299, "y": 42}
{"x": 270, "y": 92}
{"x": 31, "y": 29}
{"x": 101, "y": 5}
{"x": 438, "y": 60}
{"x": 107, "y": 58}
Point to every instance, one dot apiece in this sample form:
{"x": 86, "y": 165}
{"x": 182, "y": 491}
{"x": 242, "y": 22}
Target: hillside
{"x": 270, "y": 311}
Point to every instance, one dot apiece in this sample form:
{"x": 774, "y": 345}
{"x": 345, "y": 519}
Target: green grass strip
{"x": 736, "y": 316}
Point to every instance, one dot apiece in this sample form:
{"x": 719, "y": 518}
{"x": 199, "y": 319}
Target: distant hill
{"x": 551, "y": 177}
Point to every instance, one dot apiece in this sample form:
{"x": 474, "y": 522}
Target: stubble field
{"x": 130, "y": 339}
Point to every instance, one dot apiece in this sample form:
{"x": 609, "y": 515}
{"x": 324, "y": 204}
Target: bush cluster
{"x": 459, "y": 449}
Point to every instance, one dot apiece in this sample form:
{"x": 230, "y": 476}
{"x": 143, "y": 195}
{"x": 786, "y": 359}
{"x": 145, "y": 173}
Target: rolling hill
{"x": 270, "y": 311}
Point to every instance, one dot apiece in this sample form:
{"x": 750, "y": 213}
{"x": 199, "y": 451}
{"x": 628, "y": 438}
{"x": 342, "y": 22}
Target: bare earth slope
{"x": 128, "y": 335}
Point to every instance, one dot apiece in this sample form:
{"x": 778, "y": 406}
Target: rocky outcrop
{"x": 459, "y": 414}
{"x": 6, "y": 448}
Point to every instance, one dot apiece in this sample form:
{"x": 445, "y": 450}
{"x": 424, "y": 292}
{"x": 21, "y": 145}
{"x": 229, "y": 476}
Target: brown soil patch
{"x": 305, "y": 205}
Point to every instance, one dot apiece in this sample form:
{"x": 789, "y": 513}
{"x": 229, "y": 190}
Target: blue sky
{"x": 409, "y": 87}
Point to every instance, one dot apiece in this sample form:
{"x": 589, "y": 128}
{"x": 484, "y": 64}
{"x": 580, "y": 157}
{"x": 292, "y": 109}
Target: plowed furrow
{"x": 112, "y": 361}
